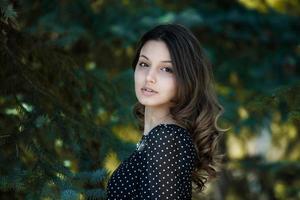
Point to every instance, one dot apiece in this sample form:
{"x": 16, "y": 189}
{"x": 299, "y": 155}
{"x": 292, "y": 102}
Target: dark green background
{"x": 66, "y": 93}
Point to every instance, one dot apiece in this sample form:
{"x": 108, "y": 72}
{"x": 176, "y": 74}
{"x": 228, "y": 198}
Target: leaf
{"x": 69, "y": 194}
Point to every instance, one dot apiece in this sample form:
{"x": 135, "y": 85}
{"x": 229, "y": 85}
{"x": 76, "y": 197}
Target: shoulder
{"x": 169, "y": 130}
{"x": 170, "y": 134}
{"x": 170, "y": 144}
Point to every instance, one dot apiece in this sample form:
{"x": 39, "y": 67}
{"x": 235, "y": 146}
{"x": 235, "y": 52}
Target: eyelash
{"x": 170, "y": 70}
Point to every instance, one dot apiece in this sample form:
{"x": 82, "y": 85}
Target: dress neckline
{"x": 159, "y": 125}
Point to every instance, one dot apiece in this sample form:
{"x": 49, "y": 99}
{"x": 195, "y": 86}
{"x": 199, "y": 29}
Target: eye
{"x": 168, "y": 69}
{"x": 142, "y": 64}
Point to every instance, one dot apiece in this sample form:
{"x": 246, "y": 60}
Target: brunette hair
{"x": 196, "y": 107}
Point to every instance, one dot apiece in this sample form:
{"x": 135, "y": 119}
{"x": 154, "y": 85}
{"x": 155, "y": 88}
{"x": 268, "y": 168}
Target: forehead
{"x": 157, "y": 50}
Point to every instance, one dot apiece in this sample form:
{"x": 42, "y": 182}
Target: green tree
{"x": 66, "y": 92}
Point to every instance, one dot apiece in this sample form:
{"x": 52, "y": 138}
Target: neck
{"x": 155, "y": 116}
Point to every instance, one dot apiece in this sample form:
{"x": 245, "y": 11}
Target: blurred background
{"x": 67, "y": 93}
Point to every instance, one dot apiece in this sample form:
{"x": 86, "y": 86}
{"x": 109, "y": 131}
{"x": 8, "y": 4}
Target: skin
{"x": 154, "y": 70}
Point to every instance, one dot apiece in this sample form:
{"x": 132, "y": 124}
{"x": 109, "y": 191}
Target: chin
{"x": 153, "y": 104}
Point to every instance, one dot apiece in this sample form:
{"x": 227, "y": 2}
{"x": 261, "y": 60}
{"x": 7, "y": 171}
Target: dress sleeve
{"x": 170, "y": 159}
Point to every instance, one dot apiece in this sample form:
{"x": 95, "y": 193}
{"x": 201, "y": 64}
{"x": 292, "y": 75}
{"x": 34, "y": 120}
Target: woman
{"x": 177, "y": 110}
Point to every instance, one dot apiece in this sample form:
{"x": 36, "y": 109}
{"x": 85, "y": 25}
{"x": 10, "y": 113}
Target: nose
{"x": 151, "y": 76}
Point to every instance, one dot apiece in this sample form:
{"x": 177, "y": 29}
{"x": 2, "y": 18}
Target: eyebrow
{"x": 165, "y": 61}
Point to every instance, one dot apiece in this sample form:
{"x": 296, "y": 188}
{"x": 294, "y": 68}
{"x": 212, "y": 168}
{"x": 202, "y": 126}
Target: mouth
{"x": 148, "y": 91}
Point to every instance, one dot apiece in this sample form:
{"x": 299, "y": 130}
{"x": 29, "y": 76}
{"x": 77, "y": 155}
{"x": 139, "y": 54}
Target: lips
{"x": 148, "y": 89}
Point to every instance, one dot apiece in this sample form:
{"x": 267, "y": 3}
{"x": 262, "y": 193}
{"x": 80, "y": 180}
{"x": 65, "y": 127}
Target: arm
{"x": 170, "y": 158}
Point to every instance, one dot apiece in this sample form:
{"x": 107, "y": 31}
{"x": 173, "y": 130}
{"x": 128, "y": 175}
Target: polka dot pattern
{"x": 159, "y": 168}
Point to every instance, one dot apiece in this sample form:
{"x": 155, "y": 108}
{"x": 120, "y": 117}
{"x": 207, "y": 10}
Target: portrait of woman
{"x": 126, "y": 100}
{"x": 177, "y": 112}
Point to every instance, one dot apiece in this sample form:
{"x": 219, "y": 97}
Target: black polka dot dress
{"x": 159, "y": 168}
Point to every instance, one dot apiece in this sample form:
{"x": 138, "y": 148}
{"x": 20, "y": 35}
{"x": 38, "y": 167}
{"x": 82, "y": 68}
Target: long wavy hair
{"x": 196, "y": 107}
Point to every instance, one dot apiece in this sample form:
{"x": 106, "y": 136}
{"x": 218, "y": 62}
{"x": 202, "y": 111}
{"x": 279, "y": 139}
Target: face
{"x": 154, "y": 71}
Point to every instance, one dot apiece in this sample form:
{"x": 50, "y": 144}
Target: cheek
{"x": 137, "y": 73}
{"x": 137, "y": 80}
{"x": 172, "y": 87}
{"x": 174, "y": 90}
{"x": 173, "y": 83}
{"x": 136, "y": 77}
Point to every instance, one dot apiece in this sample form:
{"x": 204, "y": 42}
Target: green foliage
{"x": 7, "y": 11}
{"x": 66, "y": 82}
{"x": 69, "y": 194}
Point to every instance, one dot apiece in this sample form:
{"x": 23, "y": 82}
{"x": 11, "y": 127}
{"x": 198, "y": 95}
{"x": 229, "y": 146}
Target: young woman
{"x": 177, "y": 111}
